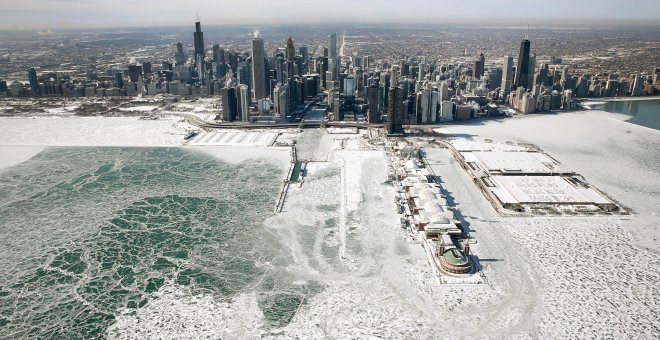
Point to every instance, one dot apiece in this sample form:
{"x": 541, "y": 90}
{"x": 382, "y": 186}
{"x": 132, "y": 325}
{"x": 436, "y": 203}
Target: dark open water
{"x": 641, "y": 112}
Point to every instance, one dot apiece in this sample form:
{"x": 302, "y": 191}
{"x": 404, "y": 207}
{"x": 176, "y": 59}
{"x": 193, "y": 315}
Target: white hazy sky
{"x": 118, "y": 13}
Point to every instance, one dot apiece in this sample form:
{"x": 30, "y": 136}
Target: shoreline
{"x": 11, "y": 155}
{"x": 596, "y": 100}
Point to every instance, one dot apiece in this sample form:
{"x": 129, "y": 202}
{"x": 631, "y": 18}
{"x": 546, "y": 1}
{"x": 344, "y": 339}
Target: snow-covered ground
{"x": 139, "y": 108}
{"x": 235, "y": 138}
{"x": 12, "y": 155}
{"x": 547, "y": 277}
{"x": 280, "y": 156}
{"x": 93, "y": 131}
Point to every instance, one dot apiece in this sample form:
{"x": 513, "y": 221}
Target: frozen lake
{"x": 91, "y": 234}
{"x": 181, "y": 242}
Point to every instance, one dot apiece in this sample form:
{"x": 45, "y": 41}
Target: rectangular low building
{"x": 514, "y": 163}
{"x": 544, "y": 190}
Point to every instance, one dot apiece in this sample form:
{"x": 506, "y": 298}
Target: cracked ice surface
{"x": 253, "y": 274}
{"x": 93, "y": 233}
{"x": 594, "y": 280}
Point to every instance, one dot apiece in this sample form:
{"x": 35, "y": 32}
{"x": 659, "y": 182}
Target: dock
{"x": 292, "y": 175}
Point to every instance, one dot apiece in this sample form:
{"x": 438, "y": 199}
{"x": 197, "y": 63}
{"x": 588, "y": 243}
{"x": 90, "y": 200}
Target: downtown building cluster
{"x": 257, "y": 84}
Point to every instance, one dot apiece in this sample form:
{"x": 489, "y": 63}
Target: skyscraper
{"x": 34, "y": 82}
{"x": 228, "y": 104}
{"x": 290, "y": 49}
{"x": 290, "y": 54}
{"x": 428, "y": 105}
{"x": 494, "y": 78}
{"x": 522, "y": 71}
{"x": 258, "y": 69}
{"x": 119, "y": 82}
{"x": 531, "y": 69}
{"x": 216, "y": 53}
{"x": 333, "y": 61}
{"x": 395, "y": 111}
{"x": 507, "y": 75}
{"x": 304, "y": 52}
{"x": 372, "y": 99}
{"x": 478, "y": 67}
{"x": 332, "y": 45}
{"x": 179, "y": 56}
{"x": 146, "y": 68}
{"x": 134, "y": 72}
{"x": 243, "y": 97}
{"x": 198, "y": 37}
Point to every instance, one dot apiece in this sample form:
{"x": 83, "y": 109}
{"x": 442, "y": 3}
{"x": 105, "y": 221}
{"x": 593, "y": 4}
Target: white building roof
{"x": 529, "y": 162}
{"x": 539, "y": 189}
{"x": 472, "y": 145}
{"x": 439, "y": 219}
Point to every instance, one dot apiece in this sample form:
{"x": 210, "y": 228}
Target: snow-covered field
{"x": 92, "y": 131}
{"x": 12, "y": 155}
{"x": 235, "y": 138}
{"x": 280, "y": 156}
{"x": 547, "y": 277}
{"x": 139, "y": 108}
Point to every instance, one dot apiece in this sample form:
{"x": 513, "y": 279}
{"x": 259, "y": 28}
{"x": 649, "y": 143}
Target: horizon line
{"x": 380, "y": 22}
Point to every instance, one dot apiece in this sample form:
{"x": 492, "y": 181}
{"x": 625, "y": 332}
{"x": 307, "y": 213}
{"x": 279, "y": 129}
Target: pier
{"x": 292, "y": 176}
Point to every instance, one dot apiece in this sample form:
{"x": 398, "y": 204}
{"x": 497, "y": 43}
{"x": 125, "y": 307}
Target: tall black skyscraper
{"x": 146, "y": 68}
{"x": 522, "y": 71}
{"x": 372, "y": 97}
{"x": 228, "y": 102}
{"x": 395, "y": 111}
{"x": 34, "y": 82}
{"x": 198, "y": 36}
{"x": 478, "y": 67}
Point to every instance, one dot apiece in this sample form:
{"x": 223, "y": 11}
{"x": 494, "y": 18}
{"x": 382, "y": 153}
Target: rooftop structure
{"x": 521, "y": 178}
{"x": 514, "y": 163}
{"x": 429, "y": 213}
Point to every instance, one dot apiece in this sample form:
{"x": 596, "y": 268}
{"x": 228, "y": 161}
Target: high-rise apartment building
{"x": 395, "y": 111}
{"x": 372, "y": 99}
{"x": 507, "y": 75}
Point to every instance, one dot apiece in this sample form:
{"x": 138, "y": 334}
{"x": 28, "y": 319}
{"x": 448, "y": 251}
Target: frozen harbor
{"x": 335, "y": 262}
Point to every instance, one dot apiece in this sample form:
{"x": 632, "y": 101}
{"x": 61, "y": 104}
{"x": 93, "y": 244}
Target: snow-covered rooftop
{"x": 544, "y": 189}
{"x": 472, "y": 145}
{"x": 525, "y": 162}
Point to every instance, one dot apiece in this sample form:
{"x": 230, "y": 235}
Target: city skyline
{"x": 42, "y": 14}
